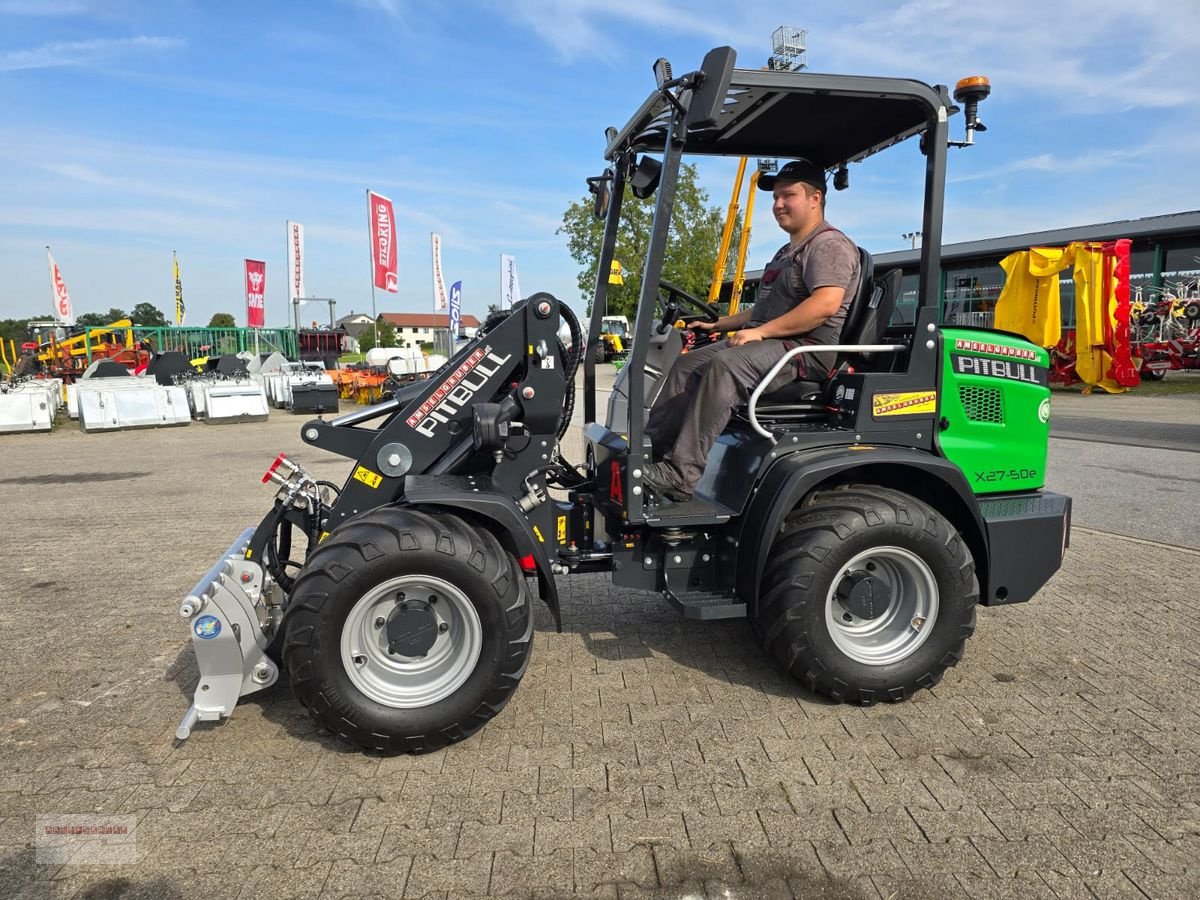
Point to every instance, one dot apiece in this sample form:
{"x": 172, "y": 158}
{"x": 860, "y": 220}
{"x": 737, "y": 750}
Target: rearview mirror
{"x": 601, "y": 193}
{"x": 708, "y": 99}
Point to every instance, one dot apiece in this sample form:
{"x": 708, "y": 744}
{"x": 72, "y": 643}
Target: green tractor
{"x": 857, "y": 522}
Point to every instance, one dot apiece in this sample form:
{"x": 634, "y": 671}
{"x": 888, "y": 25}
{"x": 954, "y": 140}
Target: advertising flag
{"x": 383, "y": 242}
{"x": 63, "y": 311}
{"x": 295, "y": 257}
{"x": 256, "y": 289}
{"x": 510, "y": 287}
{"x": 180, "y": 310}
{"x": 455, "y": 312}
{"x": 439, "y": 285}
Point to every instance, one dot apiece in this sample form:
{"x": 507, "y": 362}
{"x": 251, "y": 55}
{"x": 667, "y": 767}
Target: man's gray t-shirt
{"x": 826, "y": 258}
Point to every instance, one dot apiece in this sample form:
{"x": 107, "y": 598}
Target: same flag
{"x": 510, "y": 287}
{"x": 295, "y": 257}
{"x": 180, "y": 311}
{"x": 383, "y": 242}
{"x": 61, "y": 300}
{"x": 256, "y": 286}
{"x": 439, "y": 285}
{"x": 455, "y": 312}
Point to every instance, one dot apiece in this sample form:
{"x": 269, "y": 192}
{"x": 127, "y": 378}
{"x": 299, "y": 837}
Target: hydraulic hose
{"x": 574, "y": 358}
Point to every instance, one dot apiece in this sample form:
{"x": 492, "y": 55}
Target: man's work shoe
{"x": 663, "y": 480}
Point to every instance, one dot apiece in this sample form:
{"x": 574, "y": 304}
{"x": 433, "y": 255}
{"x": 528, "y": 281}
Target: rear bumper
{"x": 1027, "y": 537}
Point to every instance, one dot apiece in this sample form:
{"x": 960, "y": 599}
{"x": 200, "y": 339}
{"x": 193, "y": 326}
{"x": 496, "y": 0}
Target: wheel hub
{"x": 865, "y": 595}
{"x": 412, "y": 628}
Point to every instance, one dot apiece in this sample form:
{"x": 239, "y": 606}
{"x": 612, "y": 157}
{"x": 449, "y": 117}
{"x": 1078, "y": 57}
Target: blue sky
{"x": 132, "y": 129}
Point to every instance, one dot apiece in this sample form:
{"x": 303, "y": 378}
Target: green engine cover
{"x": 995, "y": 409}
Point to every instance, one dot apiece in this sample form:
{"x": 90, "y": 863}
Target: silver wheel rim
{"x": 900, "y": 629}
{"x": 405, "y": 682}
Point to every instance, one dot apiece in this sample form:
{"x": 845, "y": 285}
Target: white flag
{"x": 295, "y": 257}
{"x": 63, "y": 310}
{"x": 510, "y": 287}
{"x": 439, "y": 285}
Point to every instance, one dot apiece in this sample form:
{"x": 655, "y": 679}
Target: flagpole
{"x": 371, "y": 242}
{"x": 53, "y": 292}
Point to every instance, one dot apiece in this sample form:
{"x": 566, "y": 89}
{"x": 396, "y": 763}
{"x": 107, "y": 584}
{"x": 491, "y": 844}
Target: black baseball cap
{"x": 797, "y": 170}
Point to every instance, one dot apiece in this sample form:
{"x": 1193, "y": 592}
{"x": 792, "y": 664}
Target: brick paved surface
{"x": 642, "y": 756}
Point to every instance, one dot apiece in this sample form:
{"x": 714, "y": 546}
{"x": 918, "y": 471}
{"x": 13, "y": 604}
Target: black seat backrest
{"x": 875, "y": 312}
{"x": 862, "y": 297}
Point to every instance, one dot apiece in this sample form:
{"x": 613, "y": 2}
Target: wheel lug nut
{"x": 433, "y": 598}
{"x": 379, "y": 621}
{"x": 444, "y": 627}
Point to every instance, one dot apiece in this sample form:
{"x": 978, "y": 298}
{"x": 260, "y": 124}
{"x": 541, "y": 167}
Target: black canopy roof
{"x": 830, "y": 119}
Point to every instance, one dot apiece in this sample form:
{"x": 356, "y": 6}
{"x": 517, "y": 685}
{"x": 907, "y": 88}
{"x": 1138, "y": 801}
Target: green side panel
{"x": 995, "y": 409}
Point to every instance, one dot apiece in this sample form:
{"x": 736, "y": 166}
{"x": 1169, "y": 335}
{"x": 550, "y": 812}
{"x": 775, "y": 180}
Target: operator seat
{"x": 866, "y": 319}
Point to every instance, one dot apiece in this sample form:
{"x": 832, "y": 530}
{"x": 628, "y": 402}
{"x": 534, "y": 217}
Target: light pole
{"x": 914, "y": 237}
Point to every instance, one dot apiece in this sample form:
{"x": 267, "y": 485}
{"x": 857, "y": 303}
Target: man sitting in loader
{"x": 805, "y": 292}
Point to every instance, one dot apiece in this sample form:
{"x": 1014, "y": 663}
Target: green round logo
{"x": 1044, "y": 411}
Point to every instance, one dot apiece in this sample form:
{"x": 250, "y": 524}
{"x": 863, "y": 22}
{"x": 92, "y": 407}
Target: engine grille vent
{"x": 982, "y": 404}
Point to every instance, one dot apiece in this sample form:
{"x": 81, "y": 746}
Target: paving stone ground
{"x": 642, "y": 756}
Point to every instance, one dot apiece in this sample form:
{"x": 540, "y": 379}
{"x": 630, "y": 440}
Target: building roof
{"x": 1149, "y": 227}
{"x": 425, "y": 320}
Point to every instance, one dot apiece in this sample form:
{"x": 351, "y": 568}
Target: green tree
{"x": 15, "y": 330}
{"x": 92, "y": 319}
{"x": 692, "y": 246}
{"x": 147, "y": 314}
{"x": 222, "y": 320}
{"x": 387, "y": 337}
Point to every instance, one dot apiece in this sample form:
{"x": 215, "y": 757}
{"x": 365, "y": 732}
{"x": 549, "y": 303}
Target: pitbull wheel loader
{"x": 856, "y": 522}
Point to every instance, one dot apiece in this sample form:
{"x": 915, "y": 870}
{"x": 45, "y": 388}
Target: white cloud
{"x": 82, "y": 53}
{"x": 573, "y": 28}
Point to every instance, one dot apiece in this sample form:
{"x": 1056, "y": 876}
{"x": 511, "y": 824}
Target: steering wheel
{"x": 677, "y": 298}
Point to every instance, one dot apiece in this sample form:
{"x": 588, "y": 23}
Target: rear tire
{"x": 472, "y": 634}
{"x": 1153, "y": 374}
{"x": 869, "y": 595}
{"x": 601, "y": 354}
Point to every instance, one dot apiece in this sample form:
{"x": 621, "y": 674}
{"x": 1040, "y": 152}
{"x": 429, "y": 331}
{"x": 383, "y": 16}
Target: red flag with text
{"x": 383, "y": 242}
{"x": 256, "y": 289}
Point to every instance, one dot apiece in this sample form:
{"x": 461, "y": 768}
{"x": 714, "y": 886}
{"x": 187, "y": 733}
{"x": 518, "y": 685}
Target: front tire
{"x": 869, "y": 595}
{"x": 406, "y": 632}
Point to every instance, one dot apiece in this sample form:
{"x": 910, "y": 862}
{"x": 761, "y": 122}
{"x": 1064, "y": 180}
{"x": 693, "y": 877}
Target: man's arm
{"x": 725, "y": 323}
{"x": 816, "y": 308}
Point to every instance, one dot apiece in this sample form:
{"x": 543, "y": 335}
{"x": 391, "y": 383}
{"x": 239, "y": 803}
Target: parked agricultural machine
{"x": 1165, "y": 329}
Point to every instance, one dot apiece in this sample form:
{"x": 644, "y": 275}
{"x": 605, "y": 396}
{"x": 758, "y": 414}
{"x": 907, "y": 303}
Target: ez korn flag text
{"x": 63, "y": 311}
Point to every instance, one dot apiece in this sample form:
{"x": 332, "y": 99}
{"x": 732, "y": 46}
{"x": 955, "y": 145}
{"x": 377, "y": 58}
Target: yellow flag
{"x": 179, "y": 309}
